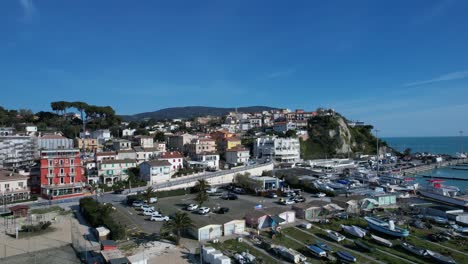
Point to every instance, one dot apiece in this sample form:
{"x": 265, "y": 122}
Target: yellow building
{"x": 90, "y": 144}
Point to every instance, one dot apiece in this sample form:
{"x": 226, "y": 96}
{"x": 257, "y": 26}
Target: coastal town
{"x": 85, "y": 185}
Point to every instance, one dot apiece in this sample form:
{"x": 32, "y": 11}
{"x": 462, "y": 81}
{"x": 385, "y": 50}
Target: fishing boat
{"x": 354, "y": 230}
{"x": 388, "y": 228}
{"x": 335, "y": 236}
{"x": 346, "y": 257}
{"x": 382, "y": 241}
{"x": 443, "y": 193}
{"x": 364, "y": 246}
{"x": 323, "y": 246}
{"x": 413, "y": 249}
{"x": 316, "y": 251}
{"x": 440, "y": 258}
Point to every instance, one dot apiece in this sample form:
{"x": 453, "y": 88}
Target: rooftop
{"x": 118, "y": 161}
{"x": 5, "y": 176}
{"x": 108, "y": 153}
{"x": 171, "y": 155}
{"x": 158, "y": 163}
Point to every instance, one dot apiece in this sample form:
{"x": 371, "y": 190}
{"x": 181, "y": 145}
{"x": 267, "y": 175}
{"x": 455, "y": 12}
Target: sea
{"x": 436, "y": 145}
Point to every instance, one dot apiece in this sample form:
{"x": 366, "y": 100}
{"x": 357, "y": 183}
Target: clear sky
{"x": 399, "y": 65}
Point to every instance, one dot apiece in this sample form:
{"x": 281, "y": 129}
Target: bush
{"x": 100, "y": 215}
{"x": 36, "y": 228}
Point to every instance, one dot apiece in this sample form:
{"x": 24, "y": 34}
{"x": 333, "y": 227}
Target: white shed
{"x": 234, "y": 227}
{"x": 208, "y": 232}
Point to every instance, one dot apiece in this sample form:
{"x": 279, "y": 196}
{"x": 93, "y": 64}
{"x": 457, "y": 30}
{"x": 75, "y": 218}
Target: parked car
{"x": 192, "y": 207}
{"x": 159, "y": 218}
{"x": 119, "y": 191}
{"x": 299, "y": 199}
{"x": 212, "y": 190}
{"x": 146, "y": 207}
{"x": 288, "y": 194}
{"x": 137, "y": 203}
{"x": 239, "y": 190}
{"x": 153, "y": 199}
{"x": 203, "y": 210}
{"x": 272, "y": 195}
{"x": 229, "y": 196}
{"x": 150, "y": 212}
{"x": 319, "y": 195}
{"x": 287, "y": 201}
{"x": 222, "y": 210}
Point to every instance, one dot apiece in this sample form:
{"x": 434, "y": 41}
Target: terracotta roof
{"x": 126, "y": 151}
{"x": 171, "y": 155}
{"x": 52, "y": 136}
{"x": 233, "y": 139}
{"x": 158, "y": 163}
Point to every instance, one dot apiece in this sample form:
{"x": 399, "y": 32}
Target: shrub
{"x": 100, "y": 215}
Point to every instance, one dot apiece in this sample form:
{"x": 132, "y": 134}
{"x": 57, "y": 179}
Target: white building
{"x": 128, "y": 132}
{"x": 282, "y": 127}
{"x": 112, "y": 171}
{"x": 102, "y": 135}
{"x": 13, "y": 187}
{"x": 121, "y": 144}
{"x": 16, "y": 151}
{"x": 237, "y": 156}
{"x": 144, "y": 141}
{"x": 31, "y": 130}
{"x": 279, "y": 149}
{"x": 205, "y": 160}
{"x": 54, "y": 141}
{"x": 155, "y": 171}
{"x": 175, "y": 158}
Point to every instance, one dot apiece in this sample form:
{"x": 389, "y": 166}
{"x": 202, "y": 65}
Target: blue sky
{"x": 399, "y": 65}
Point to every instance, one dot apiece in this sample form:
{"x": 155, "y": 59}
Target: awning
{"x": 277, "y": 219}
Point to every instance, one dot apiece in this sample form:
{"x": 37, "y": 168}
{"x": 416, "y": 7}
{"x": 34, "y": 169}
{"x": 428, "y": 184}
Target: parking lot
{"x": 136, "y": 222}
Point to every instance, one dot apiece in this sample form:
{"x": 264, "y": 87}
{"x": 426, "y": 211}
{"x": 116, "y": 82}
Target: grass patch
{"x": 46, "y": 210}
{"x": 419, "y": 242}
{"x": 232, "y": 246}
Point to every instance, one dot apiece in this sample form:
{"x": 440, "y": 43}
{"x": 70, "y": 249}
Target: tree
{"x": 159, "y": 137}
{"x": 407, "y": 152}
{"x": 148, "y": 194}
{"x": 201, "y": 185}
{"x": 178, "y": 224}
{"x": 201, "y": 197}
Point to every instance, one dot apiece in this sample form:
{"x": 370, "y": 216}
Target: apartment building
{"x": 16, "y": 151}
{"x": 278, "y": 149}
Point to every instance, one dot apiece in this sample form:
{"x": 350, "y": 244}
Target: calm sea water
{"x": 437, "y": 145}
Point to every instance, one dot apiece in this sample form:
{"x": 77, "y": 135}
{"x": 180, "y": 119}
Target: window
{"x": 51, "y": 162}
{"x": 51, "y": 171}
{"x": 62, "y": 180}
{"x": 72, "y": 171}
{"x": 72, "y": 179}
{"x": 62, "y": 171}
{"x": 72, "y": 161}
{"x": 20, "y": 184}
{"x": 7, "y": 185}
{"x": 61, "y": 162}
{"x": 50, "y": 181}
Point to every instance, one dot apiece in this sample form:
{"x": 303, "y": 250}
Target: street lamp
{"x": 377, "y": 140}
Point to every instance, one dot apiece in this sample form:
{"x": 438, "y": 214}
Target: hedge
{"x": 100, "y": 215}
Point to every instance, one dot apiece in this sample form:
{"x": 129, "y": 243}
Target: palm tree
{"x": 201, "y": 198}
{"x": 201, "y": 185}
{"x": 148, "y": 194}
{"x": 180, "y": 222}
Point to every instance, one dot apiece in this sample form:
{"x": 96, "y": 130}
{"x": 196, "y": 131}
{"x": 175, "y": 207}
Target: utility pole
{"x": 461, "y": 139}
{"x": 377, "y": 140}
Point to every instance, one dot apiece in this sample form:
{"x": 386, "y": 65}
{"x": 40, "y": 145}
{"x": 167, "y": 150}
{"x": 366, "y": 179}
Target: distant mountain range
{"x": 192, "y": 111}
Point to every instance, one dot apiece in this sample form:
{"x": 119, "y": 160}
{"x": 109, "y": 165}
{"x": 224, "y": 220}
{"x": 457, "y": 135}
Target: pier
{"x": 445, "y": 178}
{"x": 423, "y": 168}
{"x": 459, "y": 168}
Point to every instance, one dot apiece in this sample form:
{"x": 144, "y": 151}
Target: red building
{"x": 61, "y": 174}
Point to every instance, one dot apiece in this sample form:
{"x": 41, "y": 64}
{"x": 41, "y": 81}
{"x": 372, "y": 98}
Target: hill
{"x": 332, "y": 136}
{"x": 192, "y": 111}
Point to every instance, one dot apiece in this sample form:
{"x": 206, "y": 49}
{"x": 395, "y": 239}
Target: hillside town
{"x": 221, "y": 189}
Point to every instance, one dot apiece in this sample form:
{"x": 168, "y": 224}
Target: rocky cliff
{"x": 332, "y": 136}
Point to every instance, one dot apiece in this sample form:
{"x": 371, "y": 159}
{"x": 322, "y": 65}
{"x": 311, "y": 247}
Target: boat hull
{"x": 346, "y": 257}
{"x": 387, "y": 231}
{"x": 445, "y": 199}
